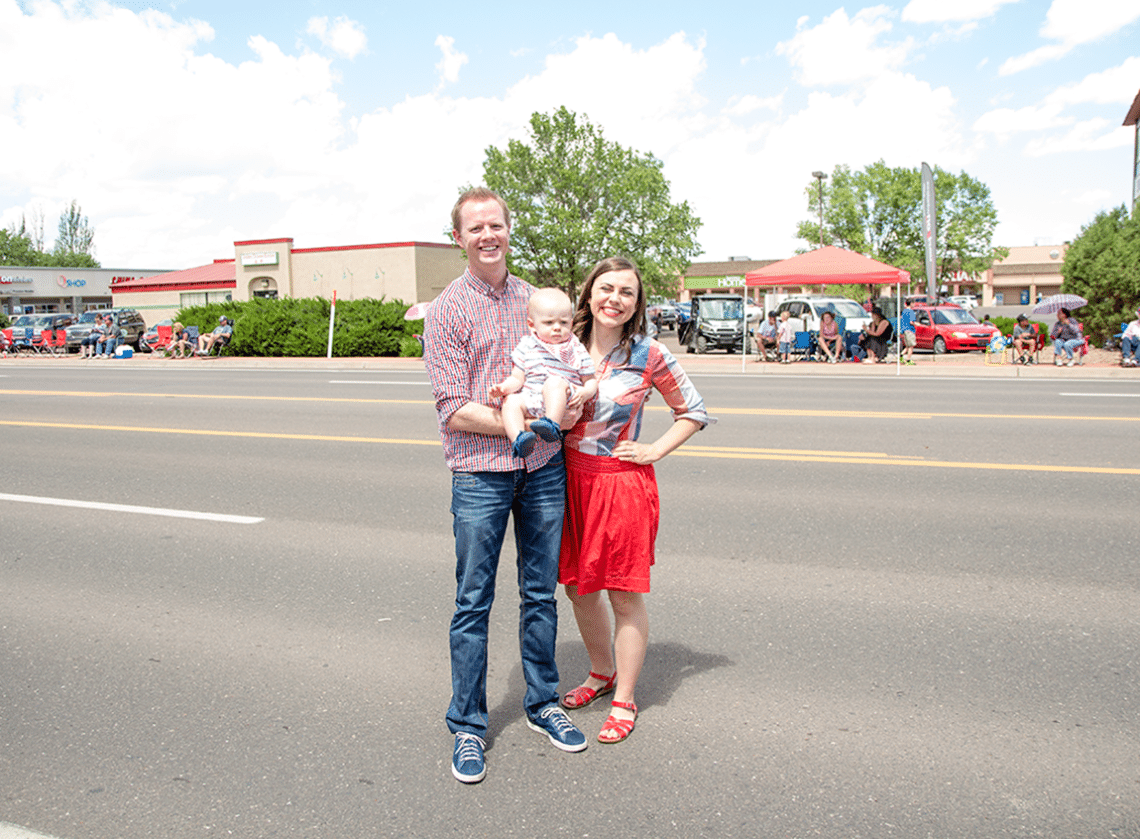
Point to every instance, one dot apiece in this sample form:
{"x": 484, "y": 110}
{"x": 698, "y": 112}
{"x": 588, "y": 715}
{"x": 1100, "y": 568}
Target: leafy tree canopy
{"x": 1102, "y": 265}
{"x": 20, "y": 245}
{"x": 576, "y": 198}
{"x": 878, "y": 212}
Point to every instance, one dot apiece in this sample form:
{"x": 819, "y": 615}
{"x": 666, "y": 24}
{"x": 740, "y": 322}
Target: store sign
{"x": 8, "y": 279}
{"x": 259, "y": 258}
{"x": 697, "y": 283}
{"x": 64, "y": 282}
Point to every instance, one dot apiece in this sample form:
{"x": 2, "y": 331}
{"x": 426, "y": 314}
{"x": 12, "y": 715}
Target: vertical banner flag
{"x": 929, "y": 230}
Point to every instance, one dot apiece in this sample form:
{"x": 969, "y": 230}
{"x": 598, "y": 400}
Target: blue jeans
{"x": 1067, "y": 346}
{"x": 481, "y": 502}
{"x": 1129, "y": 346}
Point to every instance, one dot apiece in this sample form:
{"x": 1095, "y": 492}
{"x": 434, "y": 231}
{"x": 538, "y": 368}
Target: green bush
{"x": 299, "y": 327}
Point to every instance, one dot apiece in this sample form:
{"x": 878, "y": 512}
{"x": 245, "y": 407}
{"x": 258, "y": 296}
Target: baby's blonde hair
{"x": 549, "y": 300}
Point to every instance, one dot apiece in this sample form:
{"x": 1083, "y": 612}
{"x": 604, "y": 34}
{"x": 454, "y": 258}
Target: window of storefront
{"x": 201, "y": 298}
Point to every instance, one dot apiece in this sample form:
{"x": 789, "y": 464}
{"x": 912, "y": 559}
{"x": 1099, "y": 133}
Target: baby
{"x": 552, "y": 371}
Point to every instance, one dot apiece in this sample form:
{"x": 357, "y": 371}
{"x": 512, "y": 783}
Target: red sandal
{"x": 623, "y": 727}
{"x": 582, "y": 696}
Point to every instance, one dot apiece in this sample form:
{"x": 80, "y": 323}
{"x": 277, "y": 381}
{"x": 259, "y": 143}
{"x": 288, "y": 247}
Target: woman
{"x": 874, "y": 338}
{"x": 1066, "y": 335}
{"x": 612, "y": 508}
{"x": 829, "y": 337}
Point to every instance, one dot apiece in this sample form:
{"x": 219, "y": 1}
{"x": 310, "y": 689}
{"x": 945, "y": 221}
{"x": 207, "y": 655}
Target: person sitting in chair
{"x": 875, "y": 337}
{"x": 1024, "y": 340}
{"x": 222, "y": 332}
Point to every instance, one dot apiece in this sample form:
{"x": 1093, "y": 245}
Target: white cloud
{"x": 1089, "y": 135}
{"x": 747, "y": 104}
{"x": 843, "y": 50}
{"x": 175, "y": 163}
{"x": 1071, "y": 23}
{"x": 1116, "y": 85}
{"x": 345, "y": 37}
{"x": 451, "y": 60}
{"x": 939, "y": 11}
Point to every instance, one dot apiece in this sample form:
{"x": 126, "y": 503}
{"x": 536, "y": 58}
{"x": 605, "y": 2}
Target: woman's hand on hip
{"x": 633, "y": 452}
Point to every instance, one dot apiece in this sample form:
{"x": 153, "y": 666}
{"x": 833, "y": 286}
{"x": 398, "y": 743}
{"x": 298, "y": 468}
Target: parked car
{"x": 38, "y": 323}
{"x": 948, "y": 327}
{"x": 716, "y": 321}
{"x": 966, "y": 301}
{"x": 662, "y": 315}
{"x": 130, "y": 320}
{"x": 806, "y": 308}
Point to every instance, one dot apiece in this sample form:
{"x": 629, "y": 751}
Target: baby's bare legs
{"x": 554, "y": 398}
{"x": 514, "y": 415}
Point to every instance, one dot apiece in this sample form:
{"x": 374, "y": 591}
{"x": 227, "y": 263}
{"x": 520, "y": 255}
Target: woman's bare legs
{"x": 631, "y": 640}
{"x": 627, "y": 645}
{"x": 593, "y": 620}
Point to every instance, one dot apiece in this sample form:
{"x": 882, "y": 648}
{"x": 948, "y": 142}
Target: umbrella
{"x": 417, "y": 312}
{"x": 1051, "y": 304}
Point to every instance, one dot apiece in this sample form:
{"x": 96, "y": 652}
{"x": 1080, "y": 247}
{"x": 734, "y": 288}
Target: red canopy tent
{"x": 828, "y": 265}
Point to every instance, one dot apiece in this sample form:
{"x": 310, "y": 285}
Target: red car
{"x": 949, "y": 328}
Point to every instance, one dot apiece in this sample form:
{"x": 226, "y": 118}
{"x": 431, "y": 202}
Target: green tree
{"x": 76, "y": 235}
{"x": 21, "y": 246}
{"x": 878, "y": 212}
{"x": 17, "y": 249}
{"x": 1102, "y": 265}
{"x": 576, "y": 198}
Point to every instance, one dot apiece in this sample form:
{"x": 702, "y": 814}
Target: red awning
{"x": 826, "y": 266}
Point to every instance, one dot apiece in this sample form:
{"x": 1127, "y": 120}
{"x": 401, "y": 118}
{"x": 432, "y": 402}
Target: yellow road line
{"x": 206, "y": 432}
{"x": 735, "y": 453}
{"x": 755, "y": 412}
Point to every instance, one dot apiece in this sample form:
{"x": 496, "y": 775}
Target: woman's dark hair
{"x": 584, "y": 319}
{"x": 1064, "y": 311}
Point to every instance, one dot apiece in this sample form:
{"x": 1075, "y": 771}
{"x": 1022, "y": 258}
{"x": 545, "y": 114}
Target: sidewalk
{"x": 1099, "y": 364}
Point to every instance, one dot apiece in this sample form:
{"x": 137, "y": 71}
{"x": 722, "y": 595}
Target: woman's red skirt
{"x": 612, "y": 513}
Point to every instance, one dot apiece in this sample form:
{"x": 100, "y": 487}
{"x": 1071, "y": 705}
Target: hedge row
{"x": 300, "y": 327}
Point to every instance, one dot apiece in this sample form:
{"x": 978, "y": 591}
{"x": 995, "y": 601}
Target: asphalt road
{"x": 881, "y": 608}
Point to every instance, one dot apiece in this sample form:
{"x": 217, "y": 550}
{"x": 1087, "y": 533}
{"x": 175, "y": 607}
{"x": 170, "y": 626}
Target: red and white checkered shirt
{"x": 469, "y": 333}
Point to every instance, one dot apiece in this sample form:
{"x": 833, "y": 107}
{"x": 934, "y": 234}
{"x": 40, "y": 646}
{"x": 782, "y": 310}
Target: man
{"x": 111, "y": 337}
{"x": 768, "y": 339}
{"x": 470, "y": 331}
{"x": 205, "y": 342}
{"x": 908, "y": 332}
{"x": 1130, "y": 343}
{"x": 1024, "y": 340}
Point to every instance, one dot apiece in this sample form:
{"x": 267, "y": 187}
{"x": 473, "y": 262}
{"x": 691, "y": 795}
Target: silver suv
{"x": 808, "y": 307}
{"x": 129, "y": 320}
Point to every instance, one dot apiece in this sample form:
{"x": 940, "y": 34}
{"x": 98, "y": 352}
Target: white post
{"x": 332, "y": 317}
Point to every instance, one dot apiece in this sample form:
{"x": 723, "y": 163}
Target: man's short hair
{"x": 478, "y": 193}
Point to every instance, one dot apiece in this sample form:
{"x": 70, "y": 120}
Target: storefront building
{"x": 1025, "y": 276}
{"x": 29, "y": 290}
{"x": 720, "y": 277}
{"x": 409, "y": 271}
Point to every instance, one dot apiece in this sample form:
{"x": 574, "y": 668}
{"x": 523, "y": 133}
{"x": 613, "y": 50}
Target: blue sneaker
{"x": 554, "y": 723}
{"x": 546, "y": 429}
{"x": 467, "y": 763}
{"x": 524, "y": 444}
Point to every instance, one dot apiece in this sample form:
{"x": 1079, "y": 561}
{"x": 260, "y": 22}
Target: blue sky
{"x": 183, "y": 126}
